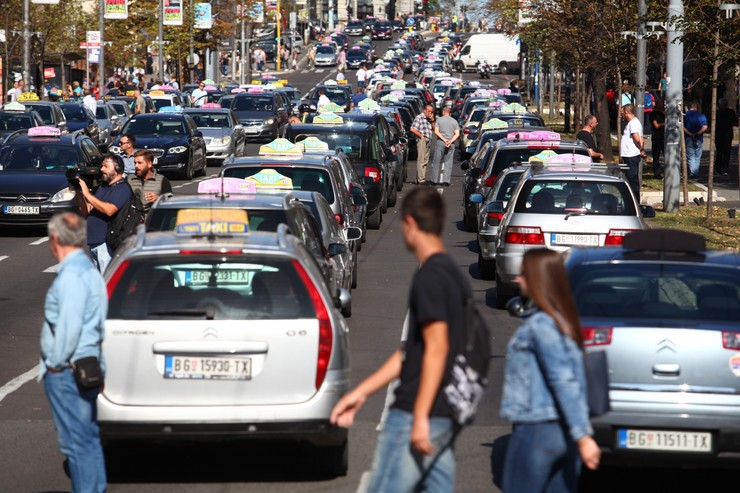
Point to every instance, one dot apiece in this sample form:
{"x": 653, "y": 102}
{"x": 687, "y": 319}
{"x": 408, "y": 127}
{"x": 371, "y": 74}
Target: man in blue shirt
{"x": 101, "y": 208}
{"x": 694, "y": 127}
{"x": 74, "y": 316}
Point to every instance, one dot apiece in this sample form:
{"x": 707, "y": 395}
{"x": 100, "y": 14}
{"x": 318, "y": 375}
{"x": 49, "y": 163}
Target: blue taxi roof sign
{"x": 170, "y": 109}
{"x": 270, "y": 179}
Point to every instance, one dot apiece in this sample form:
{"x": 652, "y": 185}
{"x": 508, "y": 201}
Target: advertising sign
{"x": 46, "y": 2}
{"x": 116, "y": 9}
{"x": 203, "y": 19}
{"x": 172, "y": 12}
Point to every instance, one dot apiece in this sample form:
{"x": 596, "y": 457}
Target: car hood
{"x": 73, "y": 126}
{"x": 159, "y": 142}
{"x": 324, "y": 55}
{"x": 13, "y": 182}
{"x": 253, "y": 115}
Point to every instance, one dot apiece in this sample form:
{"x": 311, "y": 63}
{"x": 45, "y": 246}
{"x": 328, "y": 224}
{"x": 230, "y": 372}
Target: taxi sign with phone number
{"x": 215, "y": 221}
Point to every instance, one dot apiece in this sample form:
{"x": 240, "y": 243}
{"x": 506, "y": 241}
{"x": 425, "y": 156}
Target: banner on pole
{"x": 46, "y": 2}
{"x": 203, "y": 19}
{"x": 172, "y": 12}
{"x": 257, "y": 12}
{"x": 116, "y": 9}
{"x": 93, "y": 55}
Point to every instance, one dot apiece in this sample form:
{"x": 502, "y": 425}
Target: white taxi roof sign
{"x": 226, "y": 185}
{"x": 543, "y": 156}
{"x": 269, "y": 178}
{"x": 495, "y": 123}
{"x": 331, "y": 108}
{"x": 570, "y": 158}
{"x": 368, "y": 104}
{"x": 313, "y": 144}
{"x": 14, "y": 106}
{"x": 281, "y": 147}
{"x": 211, "y": 221}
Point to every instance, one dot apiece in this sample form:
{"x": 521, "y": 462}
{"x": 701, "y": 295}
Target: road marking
{"x": 319, "y": 70}
{"x": 40, "y": 241}
{"x": 52, "y": 269}
{"x": 17, "y": 382}
{"x": 3, "y": 257}
{"x": 364, "y": 480}
{"x": 305, "y": 71}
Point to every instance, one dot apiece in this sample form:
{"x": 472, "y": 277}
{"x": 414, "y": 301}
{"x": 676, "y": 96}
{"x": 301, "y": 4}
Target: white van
{"x": 499, "y": 50}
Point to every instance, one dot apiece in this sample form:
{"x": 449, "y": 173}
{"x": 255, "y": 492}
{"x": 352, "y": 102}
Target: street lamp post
{"x": 27, "y": 44}
{"x": 160, "y": 57}
{"x": 101, "y": 64}
{"x": 673, "y": 108}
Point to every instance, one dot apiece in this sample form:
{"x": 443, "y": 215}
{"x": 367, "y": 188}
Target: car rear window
{"x": 504, "y": 157}
{"x": 252, "y": 103}
{"x": 564, "y": 196}
{"x": 657, "y": 290}
{"x": 10, "y": 122}
{"x": 44, "y": 112}
{"x": 165, "y": 219}
{"x": 354, "y": 145}
{"x": 216, "y": 120}
{"x": 212, "y": 287}
{"x": 309, "y": 179}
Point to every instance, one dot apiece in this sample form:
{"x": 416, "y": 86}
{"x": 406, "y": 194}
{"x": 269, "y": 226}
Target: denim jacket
{"x": 545, "y": 378}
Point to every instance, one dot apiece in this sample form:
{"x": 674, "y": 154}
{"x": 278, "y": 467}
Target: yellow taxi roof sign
{"x": 156, "y": 93}
{"x": 28, "y": 96}
{"x": 211, "y": 221}
{"x": 269, "y": 178}
{"x": 328, "y": 119}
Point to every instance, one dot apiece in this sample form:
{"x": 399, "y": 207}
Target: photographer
{"x": 146, "y": 183}
{"x": 101, "y": 208}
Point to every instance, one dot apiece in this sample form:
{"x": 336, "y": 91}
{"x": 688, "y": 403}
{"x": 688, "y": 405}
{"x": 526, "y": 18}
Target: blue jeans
{"x": 693, "y": 154}
{"x": 75, "y": 416}
{"x": 443, "y": 156}
{"x": 398, "y": 469}
{"x": 541, "y": 457}
{"x": 100, "y": 256}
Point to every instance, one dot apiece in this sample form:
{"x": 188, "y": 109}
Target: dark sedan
{"x": 79, "y": 117}
{"x": 262, "y": 114}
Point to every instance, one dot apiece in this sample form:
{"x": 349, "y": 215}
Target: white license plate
{"x": 207, "y": 368}
{"x": 250, "y": 130}
{"x": 200, "y": 277}
{"x": 670, "y": 441}
{"x": 22, "y": 209}
{"x": 585, "y": 240}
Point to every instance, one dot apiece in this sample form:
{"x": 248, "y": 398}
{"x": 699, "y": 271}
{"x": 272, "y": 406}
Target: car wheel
{"x": 189, "y": 173}
{"x": 204, "y": 170}
{"x": 384, "y": 202}
{"x": 470, "y": 223}
{"x": 354, "y": 271}
{"x": 399, "y": 183}
{"x": 374, "y": 219}
{"x": 394, "y": 196}
{"x": 502, "y": 294}
{"x": 487, "y": 268}
{"x": 504, "y": 68}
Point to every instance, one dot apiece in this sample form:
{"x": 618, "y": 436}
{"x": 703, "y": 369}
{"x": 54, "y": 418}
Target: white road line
{"x": 52, "y": 269}
{"x": 40, "y": 241}
{"x": 305, "y": 71}
{"x": 3, "y": 257}
{"x": 17, "y": 382}
{"x": 319, "y": 70}
{"x": 364, "y": 480}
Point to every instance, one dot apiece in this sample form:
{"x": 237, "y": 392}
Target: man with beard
{"x": 101, "y": 208}
{"x": 146, "y": 183}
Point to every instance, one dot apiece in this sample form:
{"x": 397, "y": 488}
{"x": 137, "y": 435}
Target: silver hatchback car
{"x": 233, "y": 336}
{"x": 559, "y": 206}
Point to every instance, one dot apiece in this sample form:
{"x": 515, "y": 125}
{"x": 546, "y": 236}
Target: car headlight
{"x": 115, "y": 150}
{"x": 177, "y": 150}
{"x": 222, "y": 141}
{"x": 63, "y": 195}
{"x": 269, "y": 121}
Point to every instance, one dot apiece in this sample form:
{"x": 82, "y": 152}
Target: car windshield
{"x": 210, "y": 287}
{"x": 354, "y": 24}
{"x": 74, "y": 113}
{"x": 119, "y": 107}
{"x": 334, "y": 94}
{"x": 160, "y": 103}
{"x": 215, "y": 120}
{"x": 10, "y": 122}
{"x": 45, "y": 113}
{"x": 101, "y": 113}
{"x": 309, "y": 179}
{"x": 652, "y": 290}
{"x": 165, "y": 219}
{"x": 35, "y": 157}
{"x": 561, "y": 196}
{"x": 150, "y": 126}
{"x": 325, "y": 50}
{"x": 252, "y": 103}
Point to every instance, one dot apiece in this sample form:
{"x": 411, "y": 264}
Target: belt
{"x": 57, "y": 370}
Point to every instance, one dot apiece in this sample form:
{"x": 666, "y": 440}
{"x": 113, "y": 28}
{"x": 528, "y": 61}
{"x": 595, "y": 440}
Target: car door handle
{"x": 201, "y": 347}
{"x": 666, "y": 370}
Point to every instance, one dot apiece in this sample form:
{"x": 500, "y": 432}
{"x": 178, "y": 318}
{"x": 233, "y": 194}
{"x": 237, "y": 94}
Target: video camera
{"x": 90, "y": 174}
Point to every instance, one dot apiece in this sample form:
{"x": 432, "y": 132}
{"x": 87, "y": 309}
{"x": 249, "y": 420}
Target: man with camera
{"x": 146, "y": 183}
{"x": 101, "y": 207}
{"x": 71, "y": 340}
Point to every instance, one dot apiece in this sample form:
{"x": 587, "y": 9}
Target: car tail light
{"x": 597, "y": 336}
{"x": 340, "y": 219}
{"x": 113, "y": 281}
{"x": 325, "y": 331}
{"x": 373, "y": 173}
{"x": 731, "y": 340}
{"x": 490, "y": 181}
{"x": 494, "y": 218}
{"x": 615, "y": 237}
{"x": 466, "y": 131}
{"x": 210, "y": 252}
{"x": 524, "y": 235}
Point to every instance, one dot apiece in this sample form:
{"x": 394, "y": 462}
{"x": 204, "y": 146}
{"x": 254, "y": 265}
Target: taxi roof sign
{"x": 513, "y": 108}
{"x": 368, "y": 104}
{"x": 170, "y": 109}
{"x": 237, "y": 90}
{"x": 390, "y": 98}
{"x": 226, "y": 185}
{"x": 398, "y": 85}
{"x": 255, "y": 90}
{"x": 280, "y": 147}
{"x": 28, "y": 96}
{"x": 269, "y": 178}
{"x": 156, "y": 93}
{"x": 210, "y": 105}
{"x": 495, "y": 123}
{"x": 503, "y": 92}
{"x": 331, "y": 108}
{"x": 14, "y": 106}
{"x": 328, "y": 119}
{"x": 313, "y": 144}
{"x": 330, "y": 82}
{"x": 211, "y": 221}
{"x": 540, "y": 135}
{"x": 44, "y": 131}
{"x": 210, "y": 88}
{"x": 543, "y": 156}
{"x": 570, "y": 158}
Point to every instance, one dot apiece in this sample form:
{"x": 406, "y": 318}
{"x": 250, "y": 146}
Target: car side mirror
{"x": 495, "y": 207}
{"x": 516, "y": 306}
{"x": 647, "y": 211}
{"x": 403, "y": 140}
{"x": 335, "y": 249}
{"x": 342, "y": 298}
{"x": 359, "y": 200}
{"x": 476, "y": 198}
{"x": 465, "y": 165}
{"x": 388, "y": 152}
{"x": 354, "y": 233}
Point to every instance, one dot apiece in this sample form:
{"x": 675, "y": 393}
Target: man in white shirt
{"x": 632, "y": 148}
{"x": 361, "y": 73}
{"x": 323, "y": 100}
{"x": 13, "y": 93}
{"x": 199, "y": 95}
{"x": 90, "y": 102}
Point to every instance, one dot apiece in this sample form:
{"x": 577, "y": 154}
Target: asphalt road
{"x": 32, "y": 463}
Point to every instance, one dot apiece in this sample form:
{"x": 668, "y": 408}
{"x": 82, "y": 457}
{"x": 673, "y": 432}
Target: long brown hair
{"x": 548, "y": 286}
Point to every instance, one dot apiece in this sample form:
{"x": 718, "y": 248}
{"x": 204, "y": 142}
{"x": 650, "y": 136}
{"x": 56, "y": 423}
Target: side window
{"x": 310, "y": 236}
{"x": 373, "y": 147}
{"x": 91, "y": 151}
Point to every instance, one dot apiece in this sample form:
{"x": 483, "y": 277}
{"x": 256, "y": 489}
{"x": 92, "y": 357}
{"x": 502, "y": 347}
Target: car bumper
{"x": 46, "y": 210}
{"x": 509, "y": 263}
{"x": 217, "y": 153}
{"x": 325, "y": 63}
{"x": 261, "y": 131}
{"x": 303, "y": 421}
{"x": 174, "y": 162}
{"x": 487, "y": 245}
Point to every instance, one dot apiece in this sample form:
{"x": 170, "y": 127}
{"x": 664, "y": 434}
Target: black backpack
{"x": 468, "y": 377}
{"x": 125, "y": 221}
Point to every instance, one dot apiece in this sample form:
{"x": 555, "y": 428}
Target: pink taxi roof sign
{"x": 226, "y": 185}
{"x": 237, "y": 90}
{"x": 503, "y": 92}
{"x": 569, "y": 159}
{"x": 253, "y": 90}
{"x": 210, "y": 105}
{"x": 539, "y": 135}
{"x": 44, "y": 131}
{"x": 210, "y": 88}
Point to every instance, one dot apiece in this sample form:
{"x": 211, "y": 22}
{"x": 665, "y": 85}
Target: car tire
{"x": 503, "y": 295}
{"x": 354, "y": 274}
{"x": 399, "y": 182}
{"x": 374, "y": 219}
{"x": 189, "y": 172}
{"x": 487, "y": 268}
{"x": 204, "y": 170}
{"x": 504, "y": 68}
{"x": 384, "y": 202}
{"x": 470, "y": 223}
{"x": 394, "y": 196}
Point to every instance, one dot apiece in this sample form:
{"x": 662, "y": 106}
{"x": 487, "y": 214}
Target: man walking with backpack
{"x": 415, "y": 446}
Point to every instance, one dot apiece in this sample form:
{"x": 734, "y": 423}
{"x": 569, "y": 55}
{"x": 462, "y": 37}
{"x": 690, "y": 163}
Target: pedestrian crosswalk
{"x": 308, "y": 71}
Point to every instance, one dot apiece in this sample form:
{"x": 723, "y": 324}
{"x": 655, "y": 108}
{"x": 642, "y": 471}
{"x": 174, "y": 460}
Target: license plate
{"x": 21, "y": 209}
{"x": 206, "y": 368}
{"x": 561, "y": 239}
{"x": 200, "y": 277}
{"x": 670, "y": 441}
{"x": 250, "y": 130}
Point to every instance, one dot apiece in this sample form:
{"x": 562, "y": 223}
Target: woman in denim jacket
{"x": 544, "y": 392}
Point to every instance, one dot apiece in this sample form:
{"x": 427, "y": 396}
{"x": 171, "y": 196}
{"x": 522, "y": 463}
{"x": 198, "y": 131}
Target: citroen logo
{"x": 210, "y": 332}
{"x": 666, "y": 344}
{"x": 22, "y": 198}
